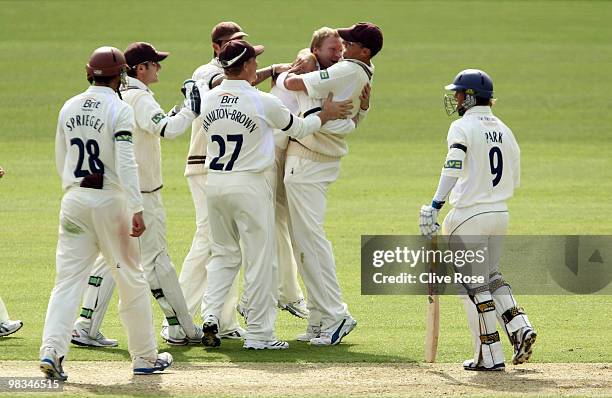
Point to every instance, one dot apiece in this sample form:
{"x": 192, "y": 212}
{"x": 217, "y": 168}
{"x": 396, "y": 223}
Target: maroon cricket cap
{"x": 236, "y": 52}
{"x": 226, "y": 31}
{"x": 140, "y": 52}
{"x": 366, "y": 33}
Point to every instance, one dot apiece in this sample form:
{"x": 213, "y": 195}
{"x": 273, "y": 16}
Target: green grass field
{"x": 550, "y": 62}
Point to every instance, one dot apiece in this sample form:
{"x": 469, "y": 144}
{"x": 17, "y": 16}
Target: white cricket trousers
{"x": 4, "y": 315}
{"x": 306, "y": 184}
{"x": 289, "y": 290}
{"x": 193, "y": 275}
{"x": 480, "y": 220}
{"x": 491, "y": 222}
{"x": 94, "y": 221}
{"x": 240, "y": 208}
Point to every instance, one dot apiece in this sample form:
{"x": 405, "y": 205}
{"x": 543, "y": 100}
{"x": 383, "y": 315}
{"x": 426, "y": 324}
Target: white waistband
{"x": 234, "y": 177}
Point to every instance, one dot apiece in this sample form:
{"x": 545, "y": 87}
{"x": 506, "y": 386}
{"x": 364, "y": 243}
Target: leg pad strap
{"x": 509, "y": 315}
{"x": 489, "y": 338}
{"x": 485, "y": 306}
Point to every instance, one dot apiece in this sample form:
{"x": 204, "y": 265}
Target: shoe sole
{"x": 96, "y": 345}
{"x": 51, "y": 373}
{"x": 11, "y": 331}
{"x": 148, "y": 371}
{"x": 177, "y": 343}
{"x": 231, "y": 337}
{"x": 500, "y": 367}
{"x": 210, "y": 336}
{"x": 294, "y": 312}
{"x": 264, "y": 348}
{"x": 525, "y": 350}
{"x": 307, "y": 340}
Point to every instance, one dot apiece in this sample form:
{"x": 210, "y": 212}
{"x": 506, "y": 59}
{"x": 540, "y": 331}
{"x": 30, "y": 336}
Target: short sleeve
{"x": 206, "y": 74}
{"x": 322, "y": 82}
{"x": 125, "y": 119}
{"x": 456, "y": 136}
{"x": 150, "y": 117}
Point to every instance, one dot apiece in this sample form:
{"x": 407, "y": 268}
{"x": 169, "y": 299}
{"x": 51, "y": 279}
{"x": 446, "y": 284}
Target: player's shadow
{"x": 511, "y": 381}
{"x": 298, "y": 352}
{"x": 149, "y": 385}
{"x": 123, "y": 352}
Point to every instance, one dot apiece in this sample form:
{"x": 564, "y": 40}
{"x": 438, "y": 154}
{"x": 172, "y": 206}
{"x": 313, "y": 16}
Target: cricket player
{"x": 325, "y": 50}
{"x": 152, "y": 124}
{"x": 481, "y": 172}
{"x": 193, "y": 274}
{"x": 239, "y": 121}
{"x": 312, "y": 164}
{"x": 7, "y": 326}
{"x": 101, "y": 210}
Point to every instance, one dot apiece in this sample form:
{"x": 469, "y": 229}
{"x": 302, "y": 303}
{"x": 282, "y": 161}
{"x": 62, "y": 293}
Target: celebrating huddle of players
{"x": 259, "y": 167}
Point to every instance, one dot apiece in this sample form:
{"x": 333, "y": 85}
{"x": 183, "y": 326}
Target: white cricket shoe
{"x": 469, "y": 364}
{"x": 180, "y": 341}
{"x": 297, "y": 308}
{"x": 51, "y": 364}
{"x": 237, "y": 334}
{"x": 210, "y": 332}
{"x": 265, "y": 345}
{"x": 312, "y": 332}
{"x": 147, "y": 366}
{"x": 81, "y": 337}
{"x": 9, "y": 327}
{"x": 524, "y": 339}
{"x": 335, "y": 334}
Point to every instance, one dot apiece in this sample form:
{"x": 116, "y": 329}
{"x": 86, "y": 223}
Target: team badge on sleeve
{"x": 453, "y": 164}
{"x": 324, "y": 74}
{"x": 158, "y": 118}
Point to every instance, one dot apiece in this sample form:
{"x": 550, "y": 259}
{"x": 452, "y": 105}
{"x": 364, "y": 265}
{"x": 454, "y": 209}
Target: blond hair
{"x": 319, "y": 36}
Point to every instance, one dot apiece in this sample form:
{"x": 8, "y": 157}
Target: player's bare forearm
{"x": 295, "y": 83}
{"x": 270, "y": 71}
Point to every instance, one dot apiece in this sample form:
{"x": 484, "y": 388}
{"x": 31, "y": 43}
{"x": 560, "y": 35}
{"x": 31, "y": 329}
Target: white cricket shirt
{"x": 152, "y": 123}
{"x": 485, "y": 156}
{"x": 94, "y": 135}
{"x": 239, "y": 121}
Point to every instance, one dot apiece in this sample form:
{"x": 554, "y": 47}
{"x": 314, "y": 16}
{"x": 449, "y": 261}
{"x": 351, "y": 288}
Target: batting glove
{"x": 428, "y": 221}
{"x": 192, "y": 96}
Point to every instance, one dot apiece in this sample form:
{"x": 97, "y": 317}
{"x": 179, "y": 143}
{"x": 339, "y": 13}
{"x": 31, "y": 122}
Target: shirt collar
{"x": 479, "y": 109}
{"x": 370, "y": 67}
{"x": 100, "y": 89}
{"x": 133, "y": 83}
{"x": 226, "y": 83}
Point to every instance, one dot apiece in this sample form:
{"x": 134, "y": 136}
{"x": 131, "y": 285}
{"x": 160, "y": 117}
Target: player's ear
{"x": 216, "y": 48}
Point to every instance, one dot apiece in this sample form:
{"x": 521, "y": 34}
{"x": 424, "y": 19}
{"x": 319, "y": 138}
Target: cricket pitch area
{"x": 328, "y": 379}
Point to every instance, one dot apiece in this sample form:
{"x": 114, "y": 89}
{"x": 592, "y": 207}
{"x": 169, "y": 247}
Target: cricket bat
{"x": 432, "y": 329}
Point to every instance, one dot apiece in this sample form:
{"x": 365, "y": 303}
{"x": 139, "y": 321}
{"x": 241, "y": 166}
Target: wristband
{"x": 437, "y": 205}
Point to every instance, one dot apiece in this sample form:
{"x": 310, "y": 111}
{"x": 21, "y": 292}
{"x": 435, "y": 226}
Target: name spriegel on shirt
{"x": 232, "y": 114}
{"x": 89, "y": 105}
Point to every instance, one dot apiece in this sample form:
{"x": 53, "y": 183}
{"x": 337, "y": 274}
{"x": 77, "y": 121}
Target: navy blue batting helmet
{"x": 474, "y": 82}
